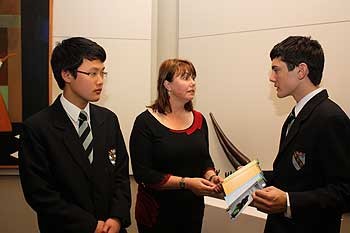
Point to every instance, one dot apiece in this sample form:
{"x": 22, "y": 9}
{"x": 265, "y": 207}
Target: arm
{"x": 141, "y": 155}
{"x": 333, "y": 152}
{"x": 332, "y": 195}
{"x": 40, "y": 190}
{"x": 208, "y": 165}
{"x": 121, "y": 201}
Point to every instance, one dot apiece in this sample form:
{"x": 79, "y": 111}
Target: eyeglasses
{"x": 102, "y": 74}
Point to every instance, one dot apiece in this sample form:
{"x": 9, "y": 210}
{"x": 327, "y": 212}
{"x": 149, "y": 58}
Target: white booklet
{"x": 240, "y": 185}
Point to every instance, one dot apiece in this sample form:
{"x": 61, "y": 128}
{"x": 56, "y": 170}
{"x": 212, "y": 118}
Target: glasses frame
{"x": 103, "y": 74}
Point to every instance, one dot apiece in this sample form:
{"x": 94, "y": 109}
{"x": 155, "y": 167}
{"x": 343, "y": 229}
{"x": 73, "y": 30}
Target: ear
{"x": 167, "y": 85}
{"x": 303, "y": 70}
{"x": 66, "y": 76}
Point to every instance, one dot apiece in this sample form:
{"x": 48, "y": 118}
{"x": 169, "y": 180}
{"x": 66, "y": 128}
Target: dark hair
{"x": 168, "y": 69}
{"x": 69, "y": 54}
{"x": 300, "y": 49}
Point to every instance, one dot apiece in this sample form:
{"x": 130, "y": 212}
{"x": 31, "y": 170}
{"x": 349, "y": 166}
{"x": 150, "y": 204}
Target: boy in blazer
{"x": 74, "y": 168}
{"x": 309, "y": 186}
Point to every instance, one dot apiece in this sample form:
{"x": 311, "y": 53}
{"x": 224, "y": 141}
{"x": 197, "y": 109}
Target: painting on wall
{"x": 25, "y": 39}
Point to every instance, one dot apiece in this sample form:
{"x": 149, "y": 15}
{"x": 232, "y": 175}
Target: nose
{"x": 193, "y": 81}
{"x": 100, "y": 78}
{"x": 272, "y": 77}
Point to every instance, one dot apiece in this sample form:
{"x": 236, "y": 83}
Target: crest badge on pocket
{"x": 112, "y": 155}
{"x": 298, "y": 160}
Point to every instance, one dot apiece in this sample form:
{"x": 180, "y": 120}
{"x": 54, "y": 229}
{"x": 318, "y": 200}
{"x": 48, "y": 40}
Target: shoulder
{"x": 40, "y": 118}
{"x": 329, "y": 109}
{"x": 144, "y": 118}
{"x": 198, "y": 116}
{"x": 199, "y": 121}
{"x": 328, "y": 116}
{"x": 102, "y": 112}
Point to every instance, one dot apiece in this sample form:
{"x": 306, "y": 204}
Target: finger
{"x": 219, "y": 188}
{"x": 207, "y": 183}
{"x": 111, "y": 230}
{"x": 264, "y": 194}
{"x": 105, "y": 228}
{"x": 260, "y": 201}
{"x": 259, "y": 206}
{"x": 207, "y": 189}
{"x": 217, "y": 180}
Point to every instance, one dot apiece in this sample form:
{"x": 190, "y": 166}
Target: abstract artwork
{"x": 236, "y": 157}
{"x": 24, "y": 69}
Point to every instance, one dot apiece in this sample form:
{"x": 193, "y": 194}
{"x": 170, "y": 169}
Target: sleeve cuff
{"x": 288, "y": 212}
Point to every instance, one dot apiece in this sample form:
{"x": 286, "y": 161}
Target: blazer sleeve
{"x": 334, "y": 155}
{"x": 121, "y": 201}
{"x": 39, "y": 186}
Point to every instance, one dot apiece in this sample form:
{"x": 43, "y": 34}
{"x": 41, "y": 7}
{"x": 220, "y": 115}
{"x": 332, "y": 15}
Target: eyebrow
{"x": 97, "y": 69}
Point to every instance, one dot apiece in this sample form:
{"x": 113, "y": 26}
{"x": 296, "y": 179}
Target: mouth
{"x": 98, "y": 91}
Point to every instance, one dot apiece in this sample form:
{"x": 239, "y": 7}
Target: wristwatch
{"x": 182, "y": 183}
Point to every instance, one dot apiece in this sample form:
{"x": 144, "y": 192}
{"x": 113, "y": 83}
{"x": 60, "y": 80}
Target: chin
{"x": 94, "y": 99}
{"x": 281, "y": 95}
{"x": 191, "y": 97}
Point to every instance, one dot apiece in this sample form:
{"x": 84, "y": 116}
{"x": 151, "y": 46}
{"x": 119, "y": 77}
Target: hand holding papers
{"x": 240, "y": 185}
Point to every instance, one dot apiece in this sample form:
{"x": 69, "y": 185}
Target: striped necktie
{"x": 85, "y": 134}
{"x": 290, "y": 120}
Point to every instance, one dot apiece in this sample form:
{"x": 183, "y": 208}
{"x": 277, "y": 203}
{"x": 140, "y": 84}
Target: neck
{"x": 73, "y": 99}
{"x": 177, "y": 107}
{"x": 303, "y": 90}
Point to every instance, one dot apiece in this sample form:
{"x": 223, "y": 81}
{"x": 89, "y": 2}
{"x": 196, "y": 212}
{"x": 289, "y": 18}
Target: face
{"x": 87, "y": 86}
{"x": 286, "y": 82}
{"x": 182, "y": 87}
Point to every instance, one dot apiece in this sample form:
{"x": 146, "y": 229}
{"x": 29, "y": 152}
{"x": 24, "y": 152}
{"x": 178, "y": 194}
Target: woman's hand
{"x": 217, "y": 180}
{"x": 200, "y": 186}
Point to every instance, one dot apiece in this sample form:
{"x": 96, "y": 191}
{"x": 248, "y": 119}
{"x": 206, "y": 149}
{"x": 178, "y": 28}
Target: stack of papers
{"x": 240, "y": 185}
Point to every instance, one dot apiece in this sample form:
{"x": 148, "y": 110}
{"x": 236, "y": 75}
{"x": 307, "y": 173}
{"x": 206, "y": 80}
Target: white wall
{"x": 229, "y": 43}
{"x": 123, "y": 28}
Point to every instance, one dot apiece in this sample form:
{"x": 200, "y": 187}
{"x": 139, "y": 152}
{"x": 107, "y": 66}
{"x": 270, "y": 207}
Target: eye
{"x": 186, "y": 76}
{"x": 104, "y": 74}
{"x": 93, "y": 74}
{"x": 276, "y": 70}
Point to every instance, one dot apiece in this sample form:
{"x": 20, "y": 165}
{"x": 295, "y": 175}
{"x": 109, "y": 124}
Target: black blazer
{"x": 68, "y": 193}
{"x": 313, "y": 166}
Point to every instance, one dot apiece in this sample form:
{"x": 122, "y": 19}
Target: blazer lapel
{"x": 71, "y": 138}
{"x": 302, "y": 116}
{"x": 98, "y": 132}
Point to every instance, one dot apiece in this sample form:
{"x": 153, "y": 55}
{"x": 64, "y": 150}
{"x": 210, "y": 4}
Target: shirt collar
{"x": 306, "y": 99}
{"x": 72, "y": 110}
